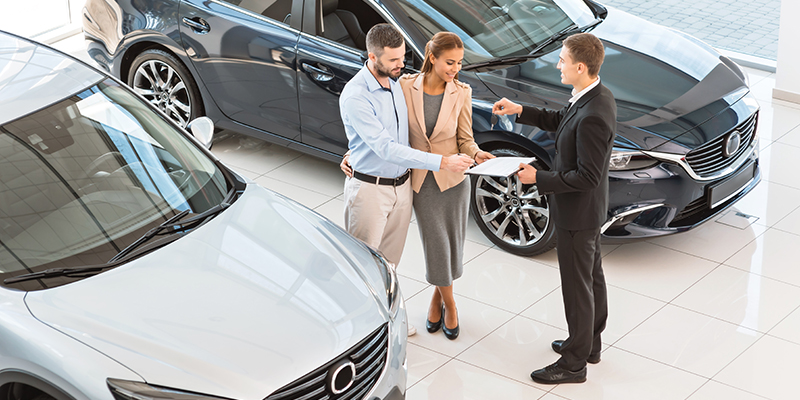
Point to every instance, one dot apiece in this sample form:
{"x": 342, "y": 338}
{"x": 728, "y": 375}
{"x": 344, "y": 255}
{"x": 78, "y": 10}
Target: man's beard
{"x": 384, "y": 72}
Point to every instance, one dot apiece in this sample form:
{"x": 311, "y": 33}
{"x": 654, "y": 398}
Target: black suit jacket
{"x": 579, "y": 178}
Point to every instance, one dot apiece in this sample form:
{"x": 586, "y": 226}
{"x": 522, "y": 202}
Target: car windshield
{"x": 82, "y": 179}
{"x": 497, "y": 28}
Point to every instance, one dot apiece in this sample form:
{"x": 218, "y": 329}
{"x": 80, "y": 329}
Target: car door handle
{"x": 197, "y": 24}
{"x": 320, "y": 73}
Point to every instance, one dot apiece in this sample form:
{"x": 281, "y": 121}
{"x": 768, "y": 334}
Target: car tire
{"x": 513, "y": 216}
{"x": 167, "y": 84}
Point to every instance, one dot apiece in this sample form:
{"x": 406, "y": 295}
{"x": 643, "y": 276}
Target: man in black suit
{"x": 585, "y": 131}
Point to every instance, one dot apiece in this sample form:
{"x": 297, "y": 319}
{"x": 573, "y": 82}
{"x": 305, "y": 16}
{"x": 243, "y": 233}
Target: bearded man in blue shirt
{"x": 377, "y": 192}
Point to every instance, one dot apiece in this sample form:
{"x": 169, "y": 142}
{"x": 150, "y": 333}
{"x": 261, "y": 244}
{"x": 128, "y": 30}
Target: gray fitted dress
{"x": 441, "y": 216}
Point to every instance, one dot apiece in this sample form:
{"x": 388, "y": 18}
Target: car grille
{"x": 691, "y": 209}
{"x": 708, "y": 159}
{"x": 369, "y": 357}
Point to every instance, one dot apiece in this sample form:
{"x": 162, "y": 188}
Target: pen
{"x": 474, "y": 163}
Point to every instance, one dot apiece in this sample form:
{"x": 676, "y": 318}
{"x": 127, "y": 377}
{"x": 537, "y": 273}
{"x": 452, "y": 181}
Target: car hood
{"x": 254, "y": 299}
{"x": 666, "y": 83}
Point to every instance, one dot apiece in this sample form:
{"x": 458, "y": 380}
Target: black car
{"x": 686, "y": 145}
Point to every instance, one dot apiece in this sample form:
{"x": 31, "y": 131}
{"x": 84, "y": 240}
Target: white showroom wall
{"x": 44, "y": 20}
{"x": 787, "y": 82}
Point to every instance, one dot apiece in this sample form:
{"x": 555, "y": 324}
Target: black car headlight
{"x": 130, "y": 390}
{"x": 389, "y": 282}
{"x": 626, "y": 160}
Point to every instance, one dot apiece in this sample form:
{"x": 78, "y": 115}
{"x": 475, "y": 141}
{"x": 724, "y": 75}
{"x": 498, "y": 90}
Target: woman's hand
{"x": 482, "y": 156}
{"x": 345, "y": 165}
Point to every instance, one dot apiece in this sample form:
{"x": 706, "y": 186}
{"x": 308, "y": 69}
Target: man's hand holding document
{"x": 500, "y": 166}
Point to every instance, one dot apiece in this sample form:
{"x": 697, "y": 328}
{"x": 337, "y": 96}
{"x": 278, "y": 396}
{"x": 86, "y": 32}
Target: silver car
{"x": 135, "y": 265}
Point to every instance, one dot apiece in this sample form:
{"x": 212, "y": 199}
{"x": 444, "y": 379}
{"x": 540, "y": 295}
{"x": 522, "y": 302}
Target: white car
{"x": 135, "y": 265}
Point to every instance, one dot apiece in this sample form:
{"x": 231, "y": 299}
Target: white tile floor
{"x": 709, "y": 314}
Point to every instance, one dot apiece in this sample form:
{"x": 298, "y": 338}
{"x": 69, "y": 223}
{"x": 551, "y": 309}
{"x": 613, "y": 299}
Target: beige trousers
{"x": 379, "y": 215}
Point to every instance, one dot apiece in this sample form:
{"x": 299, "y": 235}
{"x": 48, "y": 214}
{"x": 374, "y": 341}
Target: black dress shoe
{"x": 593, "y": 358}
{"x": 451, "y": 334}
{"x": 553, "y": 374}
{"x": 434, "y": 326}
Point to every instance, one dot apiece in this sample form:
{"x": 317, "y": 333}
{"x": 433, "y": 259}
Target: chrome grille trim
{"x": 708, "y": 159}
{"x": 735, "y": 161}
{"x": 370, "y": 356}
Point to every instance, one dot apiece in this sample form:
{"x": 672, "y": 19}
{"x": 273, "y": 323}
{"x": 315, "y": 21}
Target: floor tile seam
{"x": 464, "y": 263}
{"x": 719, "y": 264}
{"x": 784, "y": 185}
{"x": 785, "y": 231}
{"x": 610, "y": 251}
{"x": 694, "y": 255}
{"x": 636, "y": 293}
{"x": 509, "y": 378}
{"x": 662, "y": 363}
{"x": 760, "y": 332}
{"x": 623, "y": 336}
{"x": 739, "y": 389}
{"x": 780, "y": 322}
{"x": 763, "y": 276}
{"x": 237, "y": 168}
{"x": 755, "y": 238}
{"x": 300, "y": 187}
{"x": 430, "y": 373}
{"x": 689, "y": 397}
{"x": 323, "y": 203}
{"x": 736, "y": 358}
{"x": 786, "y": 134}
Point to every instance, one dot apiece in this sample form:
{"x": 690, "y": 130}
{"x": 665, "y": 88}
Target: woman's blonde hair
{"x": 439, "y": 43}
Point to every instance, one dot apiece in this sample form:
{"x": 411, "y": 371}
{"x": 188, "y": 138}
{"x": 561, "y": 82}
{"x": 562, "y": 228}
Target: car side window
{"x": 278, "y": 10}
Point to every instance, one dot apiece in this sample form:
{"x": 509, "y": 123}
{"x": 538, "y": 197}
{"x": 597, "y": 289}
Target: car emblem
{"x": 341, "y": 376}
{"x": 731, "y": 144}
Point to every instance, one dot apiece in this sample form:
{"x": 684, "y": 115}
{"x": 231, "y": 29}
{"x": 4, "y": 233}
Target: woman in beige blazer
{"x": 440, "y": 122}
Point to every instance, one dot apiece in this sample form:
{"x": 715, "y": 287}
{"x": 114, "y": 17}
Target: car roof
{"x": 33, "y": 76}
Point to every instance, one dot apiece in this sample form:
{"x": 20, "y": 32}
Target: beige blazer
{"x": 452, "y": 133}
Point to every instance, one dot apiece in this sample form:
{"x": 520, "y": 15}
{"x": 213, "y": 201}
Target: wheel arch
{"x": 10, "y": 377}
{"x": 138, "y": 48}
{"x": 492, "y": 140}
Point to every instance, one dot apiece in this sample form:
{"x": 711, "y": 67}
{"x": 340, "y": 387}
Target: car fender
{"x": 35, "y": 354}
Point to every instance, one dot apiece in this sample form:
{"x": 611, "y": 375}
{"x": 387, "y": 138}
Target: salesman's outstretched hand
{"x": 527, "y": 174}
{"x": 505, "y": 106}
{"x": 456, "y": 163}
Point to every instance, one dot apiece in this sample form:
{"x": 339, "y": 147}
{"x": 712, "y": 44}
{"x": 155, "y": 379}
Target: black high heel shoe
{"x": 434, "y": 326}
{"x": 451, "y": 334}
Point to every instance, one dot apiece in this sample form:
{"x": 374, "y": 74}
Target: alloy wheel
{"x": 514, "y": 213}
{"x": 163, "y": 87}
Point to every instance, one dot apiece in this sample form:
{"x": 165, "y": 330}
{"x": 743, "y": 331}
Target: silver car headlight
{"x": 390, "y": 282}
{"x": 626, "y": 160}
{"x": 129, "y": 390}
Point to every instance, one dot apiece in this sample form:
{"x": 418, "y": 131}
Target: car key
{"x": 493, "y": 121}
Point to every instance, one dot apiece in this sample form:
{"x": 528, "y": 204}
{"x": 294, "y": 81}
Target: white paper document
{"x": 500, "y": 166}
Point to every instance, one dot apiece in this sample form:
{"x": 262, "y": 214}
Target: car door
{"x": 324, "y": 66}
{"x": 244, "y": 52}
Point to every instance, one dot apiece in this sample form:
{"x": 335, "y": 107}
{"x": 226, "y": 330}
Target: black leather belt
{"x": 382, "y": 181}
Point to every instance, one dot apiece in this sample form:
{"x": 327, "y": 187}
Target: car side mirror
{"x": 202, "y": 128}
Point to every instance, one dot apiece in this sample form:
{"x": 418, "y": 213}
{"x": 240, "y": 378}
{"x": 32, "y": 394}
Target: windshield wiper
{"x": 536, "y": 52}
{"x": 77, "y": 272}
{"x": 170, "y": 227}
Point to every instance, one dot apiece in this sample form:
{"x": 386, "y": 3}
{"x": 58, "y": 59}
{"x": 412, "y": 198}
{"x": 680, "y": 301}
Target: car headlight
{"x": 129, "y": 390}
{"x": 389, "y": 281}
{"x": 626, "y": 160}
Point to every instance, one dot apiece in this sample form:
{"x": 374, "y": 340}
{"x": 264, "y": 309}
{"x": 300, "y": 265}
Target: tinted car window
{"x": 496, "y": 28}
{"x": 82, "y": 179}
{"x": 274, "y": 9}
